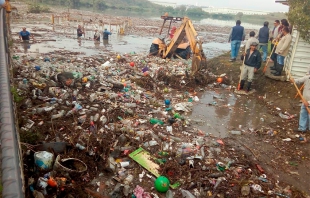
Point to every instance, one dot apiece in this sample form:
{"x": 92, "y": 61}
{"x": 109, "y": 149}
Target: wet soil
{"x": 289, "y": 161}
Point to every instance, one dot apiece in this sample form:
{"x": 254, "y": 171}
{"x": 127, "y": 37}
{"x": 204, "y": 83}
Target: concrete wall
{"x": 233, "y": 11}
{"x": 298, "y": 60}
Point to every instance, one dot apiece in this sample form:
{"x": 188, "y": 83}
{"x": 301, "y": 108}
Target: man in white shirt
{"x": 273, "y": 35}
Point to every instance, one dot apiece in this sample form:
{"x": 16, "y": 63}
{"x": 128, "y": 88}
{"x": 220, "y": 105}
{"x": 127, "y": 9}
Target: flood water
{"x": 66, "y": 40}
{"x": 220, "y": 111}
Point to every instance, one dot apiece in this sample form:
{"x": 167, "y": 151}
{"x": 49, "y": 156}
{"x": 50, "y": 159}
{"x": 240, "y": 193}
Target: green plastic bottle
{"x": 156, "y": 121}
{"x": 163, "y": 153}
{"x": 177, "y": 115}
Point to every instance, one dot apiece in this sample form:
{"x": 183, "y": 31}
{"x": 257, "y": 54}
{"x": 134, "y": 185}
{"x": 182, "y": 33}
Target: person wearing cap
{"x": 251, "y": 40}
{"x": 236, "y": 35}
{"x": 171, "y": 34}
{"x": 106, "y": 34}
{"x": 304, "y": 122}
{"x": 282, "y": 50}
{"x": 252, "y": 63}
{"x": 97, "y": 36}
{"x": 263, "y": 38}
{"x": 24, "y": 35}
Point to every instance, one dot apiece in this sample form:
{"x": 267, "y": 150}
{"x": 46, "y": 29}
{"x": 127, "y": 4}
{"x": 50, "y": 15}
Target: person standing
{"x": 252, "y": 63}
{"x": 25, "y": 35}
{"x": 304, "y": 114}
{"x": 282, "y": 50}
{"x": 263, "y": 37}
{"x": 171, "y": 34}
{"x": 236, "y": 35}
{"x": 79, "y": 31}
{"x": 106, "y": 34}
{"x": 251, "y": 40}
{"x": 274, "y": 34}
{"x": 283, "y": 23}
{"x": 97, "y": 36}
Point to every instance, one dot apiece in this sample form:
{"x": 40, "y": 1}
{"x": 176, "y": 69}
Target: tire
{"x": 184, "y": 53}
{"x": 154, "y": 49}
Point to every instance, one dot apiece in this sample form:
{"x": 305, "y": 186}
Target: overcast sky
{"x": 263, "y": 5}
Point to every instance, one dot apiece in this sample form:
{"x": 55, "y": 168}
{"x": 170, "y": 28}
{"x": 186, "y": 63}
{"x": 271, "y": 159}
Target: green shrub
{"x": 16, "y": 97}
{"x": 35, "y": 8}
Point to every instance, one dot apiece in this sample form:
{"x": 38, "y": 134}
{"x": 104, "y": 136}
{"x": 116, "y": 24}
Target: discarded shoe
{"x": 277, "y": 74}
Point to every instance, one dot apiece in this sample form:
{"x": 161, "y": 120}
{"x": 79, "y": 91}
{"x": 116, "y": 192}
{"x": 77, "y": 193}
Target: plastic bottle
{"x": 167, "y": 102}
{"x": 131, "y": 105}
{"x": 96, "y": 117}
{"x": 59, "y": 115}
{"x": 235, "y": 132}
{"x": 82, "y": 119}
{"x": 163, "y": 153}
{"x": 128, "y": 180}
{"x": 103, "y": 120}
{"x": 150, "y": 143}
{"x": 169, "y": 194}
{"x": 79, "y": 146}
{"x": 245, "y": 190}
{"x": 283, "y": 116}
{"x": 156, "y": 121}
{"x": 187, "y": 194}
{"x": 177, "y": 115}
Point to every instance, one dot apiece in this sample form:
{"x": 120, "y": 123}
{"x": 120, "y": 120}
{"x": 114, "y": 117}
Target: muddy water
{"x": 218, "y": 112}
{"x": 66, "y": 40}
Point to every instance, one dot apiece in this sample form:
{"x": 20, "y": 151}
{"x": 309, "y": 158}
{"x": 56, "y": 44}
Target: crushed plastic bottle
{"x": 156, "y": 121}
{"x": 169, "y": 194}
{"x": 59, "y": 115}
{"x": 187, "y": 194}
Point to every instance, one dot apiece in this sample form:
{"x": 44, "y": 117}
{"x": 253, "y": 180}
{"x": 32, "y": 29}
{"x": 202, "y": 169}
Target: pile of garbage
{"x": 113, "y": 126}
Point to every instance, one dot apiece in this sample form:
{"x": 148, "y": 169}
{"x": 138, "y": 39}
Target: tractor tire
{"x": 184, "y": 53}
{"x": 154, "y": 49}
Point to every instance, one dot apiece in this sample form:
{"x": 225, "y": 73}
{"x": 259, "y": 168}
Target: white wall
{"x": 298, "y": 60}
{"x": 233, "y": 11}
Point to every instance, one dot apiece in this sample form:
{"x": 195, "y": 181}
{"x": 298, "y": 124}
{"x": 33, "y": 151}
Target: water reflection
{"x": 230, "y": 23}
{"x": 221, "y": 110}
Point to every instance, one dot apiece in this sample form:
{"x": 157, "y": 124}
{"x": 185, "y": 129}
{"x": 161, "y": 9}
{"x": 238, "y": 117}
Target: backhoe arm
{"x": 199, "y": 59}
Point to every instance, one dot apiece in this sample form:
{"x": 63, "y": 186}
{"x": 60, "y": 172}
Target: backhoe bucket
{"x": 198, "y": 63}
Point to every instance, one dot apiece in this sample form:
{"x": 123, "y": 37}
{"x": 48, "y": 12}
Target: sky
{"x": 262, "y": 5}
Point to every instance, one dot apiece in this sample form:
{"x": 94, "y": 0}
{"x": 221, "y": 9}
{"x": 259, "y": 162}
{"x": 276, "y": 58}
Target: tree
{"x": 298, "y": 16}
{"x": 239, "y": 16}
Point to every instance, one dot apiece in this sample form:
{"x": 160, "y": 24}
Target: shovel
{"x": 299, "y": 93}
{"x": 274, "y": 47}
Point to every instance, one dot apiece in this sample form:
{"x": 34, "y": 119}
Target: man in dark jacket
{"x": 106, "y": 34}
{"x": 79, "y": 31}
{"x": 252, "y": 63}
{"x": 236, "y": 35}
{"x": 263, "y": 38}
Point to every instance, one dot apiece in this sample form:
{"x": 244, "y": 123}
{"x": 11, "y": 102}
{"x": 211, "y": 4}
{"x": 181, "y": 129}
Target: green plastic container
{"x": 162, "y": 184}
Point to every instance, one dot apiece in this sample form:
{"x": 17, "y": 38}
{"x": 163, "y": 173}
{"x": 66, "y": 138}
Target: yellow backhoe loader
{"x": 183, "y": 44}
